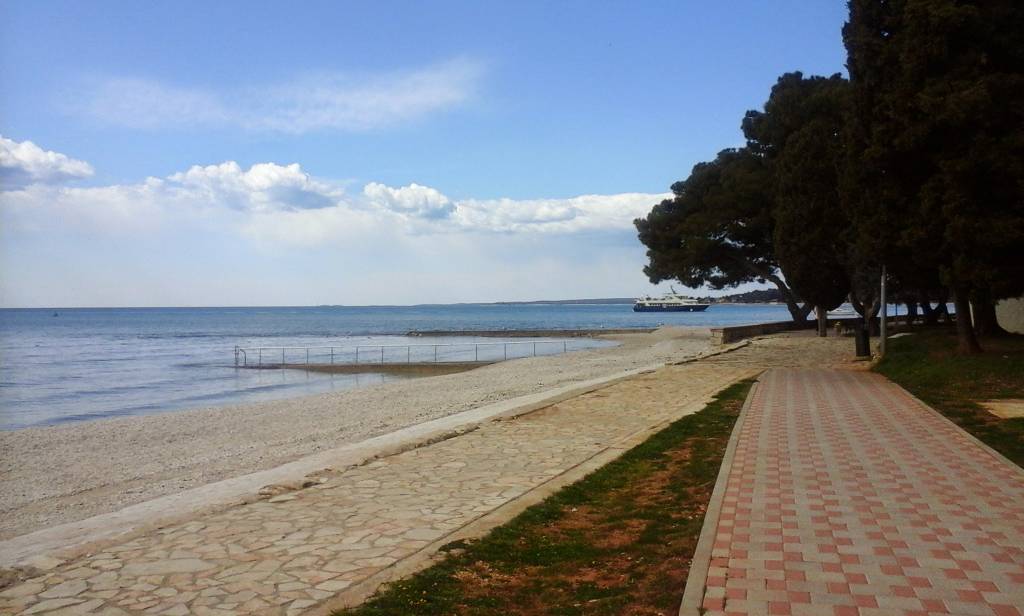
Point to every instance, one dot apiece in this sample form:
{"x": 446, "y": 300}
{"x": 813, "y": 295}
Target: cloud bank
{"x": 25, "y": 163}
{"x": 284, "y": 203}
{"x": 274, "y": 234}
{"x": 333, "y": 101}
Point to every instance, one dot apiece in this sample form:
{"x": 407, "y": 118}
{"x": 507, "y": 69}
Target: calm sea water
{"x": 93, "y": 363}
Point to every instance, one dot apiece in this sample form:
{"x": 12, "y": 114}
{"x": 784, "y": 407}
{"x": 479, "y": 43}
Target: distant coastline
{"x": 759, "y": 296}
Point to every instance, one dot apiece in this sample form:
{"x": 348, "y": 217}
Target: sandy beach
{"x": 60, "y": 474}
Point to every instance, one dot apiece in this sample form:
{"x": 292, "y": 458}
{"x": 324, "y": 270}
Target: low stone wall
{"x": 725, "y": 335}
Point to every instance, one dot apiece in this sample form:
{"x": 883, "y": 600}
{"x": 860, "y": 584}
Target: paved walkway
{"x": 294, "y": 552}
{"x": 846, "y": 496}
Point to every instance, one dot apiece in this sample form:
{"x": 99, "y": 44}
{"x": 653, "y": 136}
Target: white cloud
{"x": 264, "y": 187}
{"x": 430, "y": 210}
{"x": 26, "y": 163}
{"x": 140, "y": 103}
{"x": 104, "y": 209}
{"x": 310, "y": 102}
{"x": 273, "y": 234}
{"x": 282, "y": 204}
{"x": 412, "y": 200}
{"x": 572, "y": 215}
{"x": 340, "y": 225}
{"x": 215, "y": 195}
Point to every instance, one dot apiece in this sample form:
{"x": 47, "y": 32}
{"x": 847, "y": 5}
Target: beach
{"x": 59, "y": 474}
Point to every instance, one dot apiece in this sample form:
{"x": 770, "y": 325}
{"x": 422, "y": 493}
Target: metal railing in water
{"x": 276, "y": 356}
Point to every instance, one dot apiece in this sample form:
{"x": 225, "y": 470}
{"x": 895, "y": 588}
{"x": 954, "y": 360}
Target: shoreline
{"x": 162, "y": 402}
{"x": 531, "y": 333}
{"x": 64, "y": 473}
{"x": 412, "y": 370}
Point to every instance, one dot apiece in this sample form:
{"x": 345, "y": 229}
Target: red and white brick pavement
{"x": 847, "y": 496}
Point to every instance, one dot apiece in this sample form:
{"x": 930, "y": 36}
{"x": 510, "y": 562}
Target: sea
{"x": 61, "y": 365}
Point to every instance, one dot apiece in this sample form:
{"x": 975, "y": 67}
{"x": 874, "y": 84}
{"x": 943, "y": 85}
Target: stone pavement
{"x": 847, "y": 496}
{"x": 294, "y": 552}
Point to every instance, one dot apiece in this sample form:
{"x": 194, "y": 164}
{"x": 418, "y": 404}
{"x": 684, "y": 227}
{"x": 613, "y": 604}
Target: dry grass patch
{"x": 617, "y": 542}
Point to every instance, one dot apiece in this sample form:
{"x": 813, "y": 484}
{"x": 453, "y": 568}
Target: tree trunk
{"x": 855, "y": 302}
{"x": 911, "y": 312}
{"x": 942, "y": 310}
{"x": 985, "y": 322}
{"x": 805, "y": 310}
{"x": 871, "y": 318}
{"x": 822, "y": 321}
{"x": 931, "y": 315}
{"x": 868, "y": 309}
{"x": 794, "y": 309}
{"x": 797, "y": 312}
{"x": 967, "y": 343}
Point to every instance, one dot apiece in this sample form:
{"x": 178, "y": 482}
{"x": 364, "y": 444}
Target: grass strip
{"x": 619, "y": 541}
{"x": 927, "y": 365}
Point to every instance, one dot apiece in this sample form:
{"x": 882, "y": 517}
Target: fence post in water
{"x": 476, "y": 352}
{"x": 307, "y": 356}
{"x": 261, "y": 357}
{"x": 435, "y": 353}
{"x": 564, "y": 347}
{"x": 504, "y": 347}
{"x": 282, "y": 357}
{"x": 408, "y": 354}
{"x": 535, "y": 349}
{"x": 332, "y": 355}
{"x": 382, "y": 354}
{"x": 357, "y": 354}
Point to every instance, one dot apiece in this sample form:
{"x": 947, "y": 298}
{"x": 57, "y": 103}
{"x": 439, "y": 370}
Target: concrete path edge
{"x": 48, "y": 548}
{"x": 995, "y": 454}
{"x": 477, "y": 528}
{"x": 693, "y": 595}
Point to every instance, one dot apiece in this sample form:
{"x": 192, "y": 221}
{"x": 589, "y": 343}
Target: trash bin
{"x": 862, "y": 337}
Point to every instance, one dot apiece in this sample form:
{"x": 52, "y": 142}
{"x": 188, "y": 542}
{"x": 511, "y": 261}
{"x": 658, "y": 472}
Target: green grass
{"x": 621, "y": 538}
{"x": 928, "y": 366}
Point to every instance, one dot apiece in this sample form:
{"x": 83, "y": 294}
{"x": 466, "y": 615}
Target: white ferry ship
{"x": 669, "y": 302}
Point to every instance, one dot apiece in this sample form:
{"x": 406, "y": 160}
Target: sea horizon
{"x": 90, "y": 363}
{"x": 569, "y": 301}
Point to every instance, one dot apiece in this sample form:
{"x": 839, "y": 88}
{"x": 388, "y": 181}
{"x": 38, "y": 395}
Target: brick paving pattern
{"x": 846, "y": 496}
{"x": 292, "y": 552}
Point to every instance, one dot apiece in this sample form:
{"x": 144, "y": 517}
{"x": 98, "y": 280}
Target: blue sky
{"x": 386, "y": 152}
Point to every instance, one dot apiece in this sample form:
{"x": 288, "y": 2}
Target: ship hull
{"x": 692, "y": 308}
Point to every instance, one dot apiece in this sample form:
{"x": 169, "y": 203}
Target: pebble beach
{"x": 59, "y": 474}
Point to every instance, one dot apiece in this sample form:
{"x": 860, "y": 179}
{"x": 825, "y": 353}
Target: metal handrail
{"x": 242, "y": 358}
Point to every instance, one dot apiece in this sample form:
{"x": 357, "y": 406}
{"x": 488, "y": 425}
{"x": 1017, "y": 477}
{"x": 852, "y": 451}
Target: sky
{"x": 256, "y": 153}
